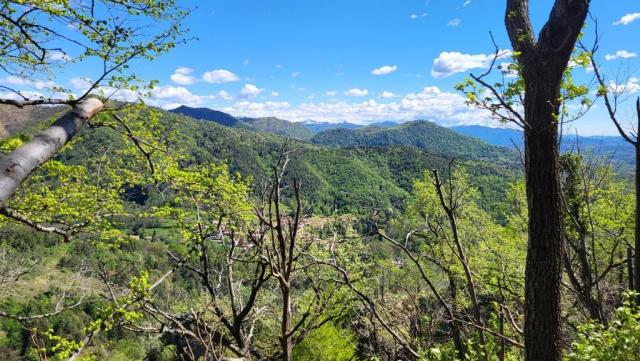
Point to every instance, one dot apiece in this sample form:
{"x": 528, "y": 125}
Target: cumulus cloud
{"x": 224, "y": 95}
{"x": 431, "y": 103}
{"x": 331, "y": 93}
{"x": 454, "y": 22}
{"x": 275, "y": 94}
{"x": 169, "y": 97}
{"x": 127, "y": 95}
{"x": 37, "y": 84}
{"x": 57, "y": 55}
{"x": 182, "y": 76}
{"x": 80, "y": 83}
{"x": 449, "y": 63}
{"x": 356, "y": 92}
{"x": 509, "y": 70}
{"x": 219, "y": 76}
{"x": 17, "y": 96}
{"x": 627, "y": 19}
{"x": 384, "y": 70}
{"x": 388, "y": 95}
{"x": 250, "y": 91}
{"x": 630, "y": 87}
{"x": 620, "y": 54}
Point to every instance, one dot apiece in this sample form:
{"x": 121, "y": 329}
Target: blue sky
{"x": 356, "y": 60}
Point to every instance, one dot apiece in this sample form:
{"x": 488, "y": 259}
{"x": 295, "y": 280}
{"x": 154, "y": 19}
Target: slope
{"x": 420, "y": 134}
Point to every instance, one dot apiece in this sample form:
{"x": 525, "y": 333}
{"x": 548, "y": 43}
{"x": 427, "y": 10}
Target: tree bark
{"x": 287, "y": 346}
{"x": 630, "y": 273}
{"x": 544, "y": 255}
{"x": 636, "y": 260}
{"x": 543, "y": 63}
{"x": 19, "y": 164}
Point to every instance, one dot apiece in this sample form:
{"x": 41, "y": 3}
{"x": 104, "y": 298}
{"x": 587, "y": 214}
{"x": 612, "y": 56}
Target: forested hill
{"x": 343, "y": 179}
{"x": 279, "y": 126}
{"x": 419, "y": 134}
{"x": 264, "y": 124}
{"x": 210, "y": 115}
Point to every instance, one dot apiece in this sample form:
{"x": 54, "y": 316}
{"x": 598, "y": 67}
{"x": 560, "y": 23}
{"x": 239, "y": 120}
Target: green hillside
{"x": 279, "y": 126}
{"x": 347, "y": 179}
{"x": 271, "y": 125}
{"x": 420, "y": 134}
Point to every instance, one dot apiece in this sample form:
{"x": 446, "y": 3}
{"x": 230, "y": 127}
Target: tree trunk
{"x": 20, "y": 163}
{"x": 544, "y": 256}
{"x": 287, "y": 347}
{"x": 636, "y": 260}
{"x": 543, "y": 62}
{"x": 630, "y": 273}
{"x": 455, "y": 325}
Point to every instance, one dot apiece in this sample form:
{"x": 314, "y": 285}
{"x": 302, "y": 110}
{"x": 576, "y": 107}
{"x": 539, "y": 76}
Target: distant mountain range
{"x": 317, "y": 127}
{"x": 349, "y": 166}
{"x": 297, "y": 130}
{"x": 612, "y": 146}
{"x": 469, "y": 141}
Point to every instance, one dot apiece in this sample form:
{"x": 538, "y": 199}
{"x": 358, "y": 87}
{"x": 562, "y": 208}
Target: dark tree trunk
{"x": 543, "y": 62}
{"x": 544, "y": 255}
{"x": 635, "y": 276}
{"x": 630, "y": 273}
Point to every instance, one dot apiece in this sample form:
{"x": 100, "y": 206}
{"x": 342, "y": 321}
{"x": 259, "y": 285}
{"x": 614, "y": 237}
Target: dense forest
{"x": 131, "y": 232}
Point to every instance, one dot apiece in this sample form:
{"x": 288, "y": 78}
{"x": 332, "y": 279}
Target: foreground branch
{"x": 19, "y": 164}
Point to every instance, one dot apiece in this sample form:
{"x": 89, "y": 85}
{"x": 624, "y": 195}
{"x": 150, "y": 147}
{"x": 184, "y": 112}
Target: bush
{"x": 327, "y": 343}
{"x": 619, "y": 341}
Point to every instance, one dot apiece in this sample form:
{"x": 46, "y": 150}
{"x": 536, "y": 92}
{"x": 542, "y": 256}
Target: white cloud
{"x": 14, "y": 80}
{"x": 224, "y": 95}
{"x": 219, "y": 76}
{"x": 356, "y": 92}
{"x": 245, "y": 62}
{"x": 182, "y": 76}
{"x": 126, "y": 95}
{"x": 80, "y": 83}
{"x": 620, "y": 54}
{"x": 250, "y": 91}
{"x": 509, "y": 70}
{"x": 275, "y": 94}
{"x": 467, "y": 3}
{"x": 454, "y": 22}
{"x": 57, "y": 55}
{"x": 295, "y": 74}
{"x": 169, "y": 97}
{"x": 83, "y": 84}
{"x": 255, "y": 109}
{"x": 627, "y": 19}
{"x": 331, "y": 93}
{"x": 388, "y": 95}
{"x": 449, "y": 63}
{"x": 384, "y": 70}
{"x": 630, "y": 87}
{"x": 431, "y": 103}
{"x": 415, "y": 16}
{"x": 25, "y": 94}
{"x": 37, "y": 84}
